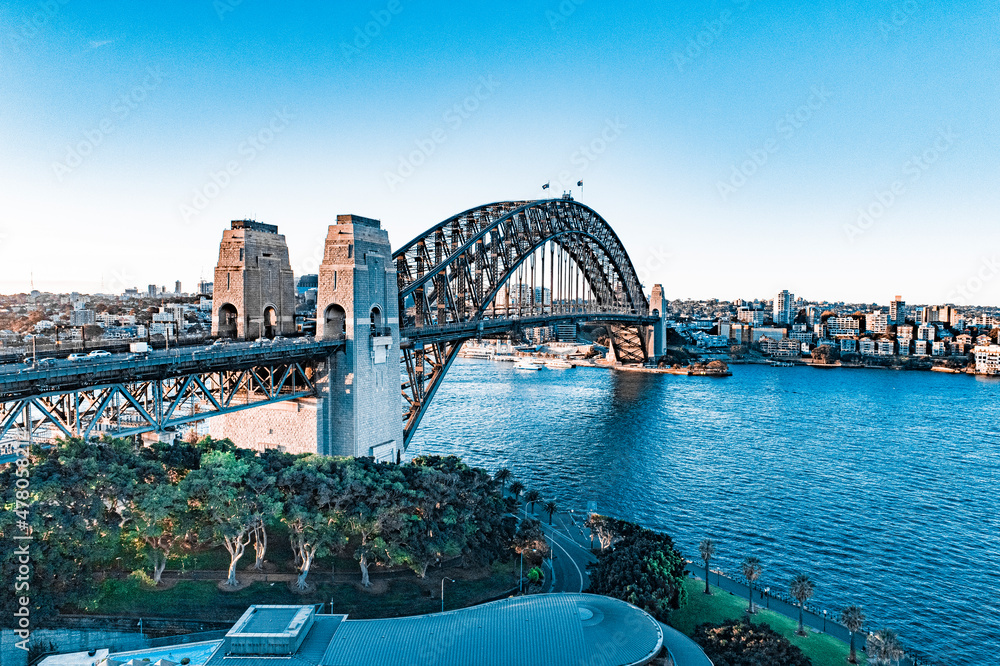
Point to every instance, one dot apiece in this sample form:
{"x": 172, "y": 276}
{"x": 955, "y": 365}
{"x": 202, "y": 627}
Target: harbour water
{"x": 883, "y": 486}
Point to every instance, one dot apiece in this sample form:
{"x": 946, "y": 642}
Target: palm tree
{"x": 884, "y": 648}
{"x": 751, "y": 571}
{"x": 550, "y": 508}
{"x": 503, "y": 476}
{"x": 853, "y": 618}
{"x": 802, "y": 589}
{"x": 516, "y": 489}
{"x": 531, "y": 497}
{"x": 707, "y": 550}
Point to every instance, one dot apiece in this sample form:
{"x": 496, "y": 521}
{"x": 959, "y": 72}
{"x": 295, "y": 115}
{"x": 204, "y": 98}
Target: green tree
{"x": 224, "y": 506}
{"x": 802, "y": 590}
{"x": 156, "y": 513}
{"x": 644, "y": 569}
{"x": 706, "y": 548}
{"x": 516, "y": 488}
{"x": 751, "y": 571}
{"x": 530, "y": 541}
{"x": 883, "y": 648}
{"x": 550, "y": 508}
{"x": 531, "y": 497}
{"x": 852, "y": 617}
{"x": 503, "y": 475}
{"x": 313, "y": 509}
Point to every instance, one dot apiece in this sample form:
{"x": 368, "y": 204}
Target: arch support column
{"x": 357, "y": 298}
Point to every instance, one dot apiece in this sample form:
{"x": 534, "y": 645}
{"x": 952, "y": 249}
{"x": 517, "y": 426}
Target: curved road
{"x": 570, "y": 557}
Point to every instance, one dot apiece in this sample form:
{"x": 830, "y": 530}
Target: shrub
{"x": 740, "y": 643}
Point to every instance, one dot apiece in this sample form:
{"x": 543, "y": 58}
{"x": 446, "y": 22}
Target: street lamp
{"x": 767, "y": 597}
{"x": 824, "y": 620}
{"x": 520, "y": 582}
{"x": 442, "y": 591}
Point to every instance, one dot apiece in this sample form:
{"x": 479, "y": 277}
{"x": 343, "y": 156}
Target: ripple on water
{"x": 881, "y": 485}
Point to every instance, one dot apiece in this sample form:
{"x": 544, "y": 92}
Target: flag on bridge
{"x": 579, "y": 183}
{"x": 545, "y": 186}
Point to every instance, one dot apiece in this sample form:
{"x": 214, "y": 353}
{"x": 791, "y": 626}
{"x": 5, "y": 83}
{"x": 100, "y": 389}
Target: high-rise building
{"x": 177, "y": 287}
{"x": 783, "y": 312}
{"x": 151, "y": 290}
{"x": 897, "y": 311}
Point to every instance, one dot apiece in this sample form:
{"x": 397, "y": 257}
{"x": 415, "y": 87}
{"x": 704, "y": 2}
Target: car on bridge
{"x": 98, "y": 353}
{"x": 76, "y": 357}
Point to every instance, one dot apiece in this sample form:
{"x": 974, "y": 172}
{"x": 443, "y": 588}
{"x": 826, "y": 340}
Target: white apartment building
{"x": 848, "y": 345}
{"x": 987, "y": 359}
{"x": 885, "y": 347}
{"x": 927, "y": 332}
{"x": 866, "y": 346}
{"x": 904, "y": 332}
{"x": 920, "y": 348}
{"x": 750, "y": 316}
{"x": 938, "y": 348}
{"x": 843, "y": 326}
{"x": 783, "y": 307}
{"x": 877, "y": 322}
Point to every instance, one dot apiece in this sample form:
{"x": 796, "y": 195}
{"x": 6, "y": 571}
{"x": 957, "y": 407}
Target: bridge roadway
{"x": 487, "y": 326}
{"x": 21, "y": 380}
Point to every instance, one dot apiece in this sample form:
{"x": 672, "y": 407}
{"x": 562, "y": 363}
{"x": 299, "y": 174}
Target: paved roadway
{"x": 570, "y": 543}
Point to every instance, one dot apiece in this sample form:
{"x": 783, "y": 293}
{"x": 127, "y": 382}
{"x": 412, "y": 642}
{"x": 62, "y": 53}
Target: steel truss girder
{"x": 131, "y": 408}
{"x": 489, "y": 243}
{"x": 455, "y": 271}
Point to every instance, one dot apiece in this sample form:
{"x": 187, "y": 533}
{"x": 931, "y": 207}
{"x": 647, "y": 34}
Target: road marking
{"x": 570, "y": 558}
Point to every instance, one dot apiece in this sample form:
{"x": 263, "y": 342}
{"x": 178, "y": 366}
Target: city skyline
{"x": 775, "y": 146}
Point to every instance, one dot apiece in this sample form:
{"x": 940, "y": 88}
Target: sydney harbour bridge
{"x": 487, "y": 272}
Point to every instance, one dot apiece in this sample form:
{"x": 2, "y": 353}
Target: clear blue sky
{"x": 162, "y": 97}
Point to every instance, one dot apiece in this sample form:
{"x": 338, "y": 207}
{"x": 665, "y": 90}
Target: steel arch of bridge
{"x": 454, "y": 272}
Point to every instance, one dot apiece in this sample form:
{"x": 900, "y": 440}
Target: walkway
{"x": 570, "y": 542}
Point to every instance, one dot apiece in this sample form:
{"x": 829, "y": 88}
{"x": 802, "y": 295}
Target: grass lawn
{"x": 822, "y": 649}
{"x": 203, "y": 600}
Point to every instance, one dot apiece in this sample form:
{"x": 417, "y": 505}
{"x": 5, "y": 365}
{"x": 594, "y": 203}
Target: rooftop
{"x": 534, "y": 630}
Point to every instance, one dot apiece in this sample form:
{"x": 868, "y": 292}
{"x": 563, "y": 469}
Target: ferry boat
{"x": 558, "y": 363}
{"x": 526, "y": 363}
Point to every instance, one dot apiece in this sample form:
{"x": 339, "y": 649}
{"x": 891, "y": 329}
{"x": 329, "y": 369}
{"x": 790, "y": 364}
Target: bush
{"x": 643, "y": 568}
{"x": 740, "y": 643}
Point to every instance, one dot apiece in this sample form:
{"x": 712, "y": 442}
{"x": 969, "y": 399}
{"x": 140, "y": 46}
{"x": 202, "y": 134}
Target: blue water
{"x": 881, "y": 485}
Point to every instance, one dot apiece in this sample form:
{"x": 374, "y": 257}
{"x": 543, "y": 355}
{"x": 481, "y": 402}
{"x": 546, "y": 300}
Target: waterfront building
{"x": 920, "y": 347}
{"x": 848, "y": 345}
{"x": 802, "y": 336}
{"x": 897, "y": 311}
{"x": 843, "y": 326}
{"x": 885, "y": 347}
{"x": 877, "y": 322}
{"x": 938, "y": 348}
{"x": 987, "y": 359}
{"x": 903, "y": 347}
{"x": 866, "y": 346}
{"x": 570, "y": 629}
{"x": 784, "y": 312}
{"x": 771, "y": 332}
{"x": 780, "y": 347}
{"x": 927, "y": 332}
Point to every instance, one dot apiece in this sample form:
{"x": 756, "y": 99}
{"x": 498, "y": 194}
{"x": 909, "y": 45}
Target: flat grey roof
{"x": 272, "y": 620}
{"x": 536, "y": 630}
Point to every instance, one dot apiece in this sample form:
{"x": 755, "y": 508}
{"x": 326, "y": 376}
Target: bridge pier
{"x": 657, "y": 340}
